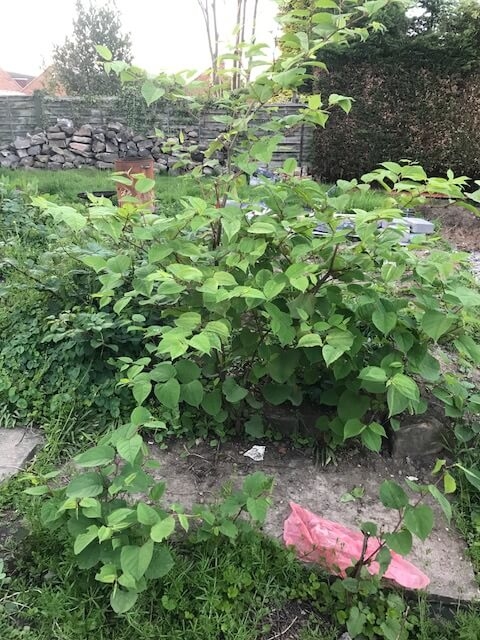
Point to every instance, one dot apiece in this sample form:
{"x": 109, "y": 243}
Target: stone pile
{"x": 64, "y": 146}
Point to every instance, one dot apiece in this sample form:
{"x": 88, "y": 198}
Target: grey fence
{"x": 20, "y": 115}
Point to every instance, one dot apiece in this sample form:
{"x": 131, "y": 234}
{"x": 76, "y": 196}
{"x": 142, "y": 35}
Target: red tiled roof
{"x": 7, "y": 83}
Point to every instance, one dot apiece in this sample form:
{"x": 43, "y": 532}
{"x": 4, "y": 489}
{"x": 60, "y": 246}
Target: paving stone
{"x": 419, "y": 225}
{"x": 17, "y": 447}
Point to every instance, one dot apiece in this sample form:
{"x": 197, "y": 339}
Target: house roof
{"x": 21, "y": 78}
{"x": 23, "y": 84}
{"x": 7, "y": 83}
{"x": 44, "y": 81}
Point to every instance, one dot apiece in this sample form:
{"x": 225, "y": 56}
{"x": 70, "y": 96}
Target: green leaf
{"x": 146, "y": 514}
{"x": 103, "y": 52}
{"x": 186, "y": 272}
{"x": 122, "y": 601}
{"x": 151, "y": 93}
{"x": 187, "y": 371}
{"x": 230, "y": 228}
{"x": 212, "y": 402}
{"x": 330, "y": 354}
{"x": 261, "y": 227}
{"x": 119, "y": 264}
{"x": 353, "y": 428}
{"x": 162, "y": 562}
{"x": 436, "y": 324}
{"x": 373, "y": 374}
{"x": 254, "y": 427}
{"x": 276, "y": 394}
{"x": 135, "y": 560}
{"x": 95, "y": 457}
{"x": 400, "y": 542}
{"x": 257, "y": 509}
{"x": 232, "y": 391}
{"x": 84, "y": 539}
{"x": 356, "y": 622}
{"x": 397, "y": 402}
{"x": 385, "y": 321}
{"x": 449, "y": 484}
{"x": 97, "y": 263}
{"x": 163, "y": 529}
{"x": 192, "y": 393}
{"x": 468, "y": 347}
{"x": 406, "y": 386}
{"x": 107, "y": 574}
{"x": 392, "y": 495}
{"x": 129, "y": 448}
{"x": 144, "y": 185}
{"x": 442, "y": 501}
{"x": 273, "y": 287}
{"x": 419, "y": 521}
{"x": 371, "y": 439}
{"x": 472, "y": 475}
{"x": 290, "y": 165}
{"x": 168, "y": 393}
{"x": 141, "y": 390}
{"x": 256, "y": 484}
{"x": 310, "y": 340}
{"x": 86, "y": 485}
{"x": 40, "y": 490}
{"x": 139, "y": 416}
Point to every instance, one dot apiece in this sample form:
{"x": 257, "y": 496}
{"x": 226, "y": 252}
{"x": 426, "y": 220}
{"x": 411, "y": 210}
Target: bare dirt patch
{"x": 457, "y": 225}
{"x": 197, "y": 474}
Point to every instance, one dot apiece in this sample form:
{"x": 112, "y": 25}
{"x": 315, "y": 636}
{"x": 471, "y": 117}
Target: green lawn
{"x": 68, "y": 184}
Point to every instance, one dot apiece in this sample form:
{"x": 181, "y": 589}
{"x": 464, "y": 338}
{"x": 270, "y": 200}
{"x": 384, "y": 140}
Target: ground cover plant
{"x": 193, "y": 320}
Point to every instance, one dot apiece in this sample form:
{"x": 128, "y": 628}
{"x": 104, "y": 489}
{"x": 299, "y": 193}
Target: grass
{"x": 68, "y": 184}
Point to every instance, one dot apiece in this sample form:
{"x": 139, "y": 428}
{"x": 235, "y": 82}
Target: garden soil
{"x": 197, "y": 474}
{"x": 457, "y": 225}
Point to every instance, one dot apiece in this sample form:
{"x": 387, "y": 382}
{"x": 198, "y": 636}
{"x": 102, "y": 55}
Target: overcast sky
{"x": 166, "y": 34}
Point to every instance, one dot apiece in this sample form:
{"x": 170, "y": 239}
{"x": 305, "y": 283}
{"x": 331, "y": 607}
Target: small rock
{"x": 38, "y": 138}
{"x": 80, "y": 148}
{"x": 21, "y": 143}
{"x": 33, "y": 151}
{"x": 57, "y": 158}
{"x": 418, "y": 436}
{"x": 98, "y": 146}
{"x": 115, "y": 126}
{"x": 106, "y": 157}
{"x": 111, "y": 146}
{"x": 65, "y": 123}
{"x": 60, "y": 135}
{"x": 105, "y": 165}
{"x": 82, "y": 139}
{"x": 84, "y": 131}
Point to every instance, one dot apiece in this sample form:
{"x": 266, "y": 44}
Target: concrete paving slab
{"x": 196, "y": 475}
{"x": 17, "y": 447}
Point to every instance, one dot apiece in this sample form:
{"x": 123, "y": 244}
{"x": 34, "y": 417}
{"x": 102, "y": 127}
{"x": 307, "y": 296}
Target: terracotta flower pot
{"x": 131, "y": 167}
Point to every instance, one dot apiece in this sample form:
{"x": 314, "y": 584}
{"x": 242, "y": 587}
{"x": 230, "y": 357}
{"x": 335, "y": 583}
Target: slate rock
{"x": 82, "y": 139}
{"x": 57, "y": 135}
{"x": 33, "y": 151}
{"x": 98, "y": 146}
{"x": 106, "y": 157}
{"x": 22, "y": 143}
{"x": 84, "y": 131}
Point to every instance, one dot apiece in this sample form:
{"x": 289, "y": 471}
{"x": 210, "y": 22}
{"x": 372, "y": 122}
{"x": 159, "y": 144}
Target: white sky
{"x": 166, "y": 34}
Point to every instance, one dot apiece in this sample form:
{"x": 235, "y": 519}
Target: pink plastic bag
{"x": 337, "y": 548}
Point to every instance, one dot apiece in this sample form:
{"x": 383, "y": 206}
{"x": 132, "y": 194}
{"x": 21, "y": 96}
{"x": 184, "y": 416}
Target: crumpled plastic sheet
{"x": 336, "y": 548}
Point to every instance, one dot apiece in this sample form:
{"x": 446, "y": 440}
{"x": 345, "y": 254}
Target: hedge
{"x": 399, "y": 112}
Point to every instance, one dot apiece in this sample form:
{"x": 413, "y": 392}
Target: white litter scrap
{"x": 256, "y": 453}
